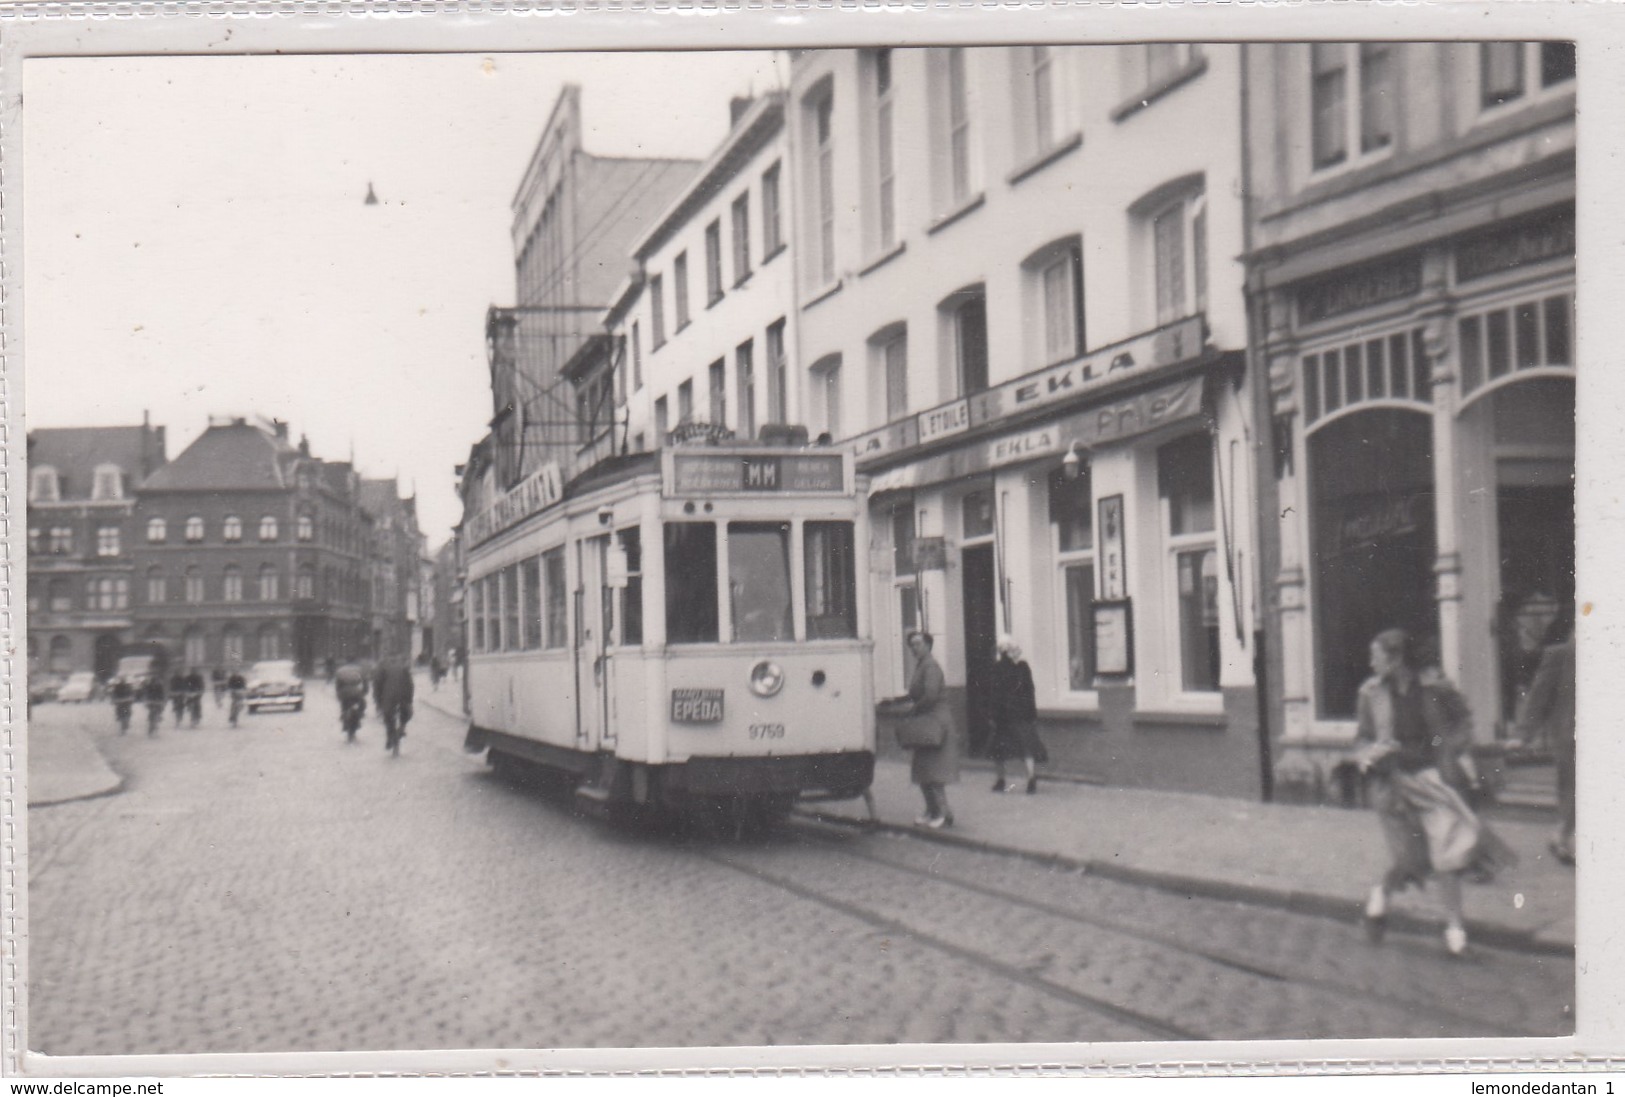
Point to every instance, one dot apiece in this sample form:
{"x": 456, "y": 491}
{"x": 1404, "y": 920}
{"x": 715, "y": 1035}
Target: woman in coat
{"x": 1013, "y": 706}
{"x": 933, "y": 768}
{"x": 1409, "y": 724}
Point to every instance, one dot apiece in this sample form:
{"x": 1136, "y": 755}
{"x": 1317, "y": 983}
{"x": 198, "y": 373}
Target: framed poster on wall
{"x": 1114, "y": 638}
{"x": 1113, "y": 576}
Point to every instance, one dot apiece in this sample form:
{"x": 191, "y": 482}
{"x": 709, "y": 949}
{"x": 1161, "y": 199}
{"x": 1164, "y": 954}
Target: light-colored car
{"x": 80, "y": 686}
{"x": 275, "y": 682}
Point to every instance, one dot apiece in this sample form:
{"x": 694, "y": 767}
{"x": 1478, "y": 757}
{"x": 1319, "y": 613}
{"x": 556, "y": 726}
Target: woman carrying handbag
{"x": 927, "y": 731}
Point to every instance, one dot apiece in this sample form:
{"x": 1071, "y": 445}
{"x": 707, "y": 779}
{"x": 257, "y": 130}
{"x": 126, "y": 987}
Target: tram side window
{"x": 557, "y": 598}
{"x": 691, "y": 583}
{"x": 632, "y": 594}
{"x": 531, "y": 581}
{"x": 832, "y": 581}
{"x": 478, "y": 616}
{"x": 510, "y": 607}
{"x": 493, "y": 610}
{"x": 759, "y": 581}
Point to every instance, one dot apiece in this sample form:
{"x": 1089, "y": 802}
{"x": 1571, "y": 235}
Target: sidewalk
{"x": 1319, "y": 860}
{"x": 63, "y": 762}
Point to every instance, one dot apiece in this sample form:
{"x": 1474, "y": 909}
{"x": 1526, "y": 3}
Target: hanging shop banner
{"x": 1132, "y": 358}
{"x": 1098, "y": 426}
{"x": 1113, "y": 570}
{"x": 536, "y": 492}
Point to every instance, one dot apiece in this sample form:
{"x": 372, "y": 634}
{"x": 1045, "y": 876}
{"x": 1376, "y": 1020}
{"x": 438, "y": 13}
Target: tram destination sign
{"x": 709, "y": 473}
{"x": 536, "y": 492}
{"x": 696, "y": 706}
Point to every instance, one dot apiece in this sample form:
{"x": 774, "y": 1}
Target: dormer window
{"x": 108, "y": 483}
{"x": 43, "y": 485}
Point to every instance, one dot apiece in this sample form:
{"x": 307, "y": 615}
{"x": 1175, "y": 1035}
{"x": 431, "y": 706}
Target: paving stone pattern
{"x": 272, "y": 888}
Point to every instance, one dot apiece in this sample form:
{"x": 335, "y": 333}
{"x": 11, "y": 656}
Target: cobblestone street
{"x": 272, "y": 888}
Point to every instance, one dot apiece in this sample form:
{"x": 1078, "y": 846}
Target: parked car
{"x": 275, "y": 682}
{"x": 80, "y": 686}
{"x": 43, "y": 687}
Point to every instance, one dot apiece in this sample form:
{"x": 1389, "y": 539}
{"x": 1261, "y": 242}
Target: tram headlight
{"x": 766, "y": 678}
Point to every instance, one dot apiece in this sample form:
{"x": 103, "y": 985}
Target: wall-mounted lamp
{"x": 1072, "y": 463}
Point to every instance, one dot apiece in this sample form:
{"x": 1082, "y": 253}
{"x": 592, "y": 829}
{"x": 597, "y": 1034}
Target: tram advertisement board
{"x": 696, "y": 706}
{"x": 538, "y": 491}
{"x": 757, "y": 472}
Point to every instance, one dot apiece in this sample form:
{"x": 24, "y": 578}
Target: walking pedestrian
{"x": 392, "y": 694}
{"x": 1013, "y": 706}
{"x": 177, "y": 694}
{"x": 152, "y": 695}
{"x": 1429, "y": 829}
{"x": 194, "y": 694}
{"x": 929, "y": 733}
{"x": 1547, "y": 713}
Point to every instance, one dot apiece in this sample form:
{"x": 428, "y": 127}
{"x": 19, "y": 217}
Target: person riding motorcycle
{"x": 122, "y": 695}
{"x": 350, "y": 681}
{"x": 237, "y": 686}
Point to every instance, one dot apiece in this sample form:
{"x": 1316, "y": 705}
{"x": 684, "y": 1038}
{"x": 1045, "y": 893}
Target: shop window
{"x": 1528, "y": 335}
{"x": 512, "y": 639}
{"x": 976, "y": 515}
{"x": 1352, "y": 91}
{"x": 1185, "y": 483}
{"x": 632, "y": 594}
{"x": 831, "y": 581}
{"x": 1071, "y": 512}
{"x": 759, "y": 581}
{"x": 1373, "y": 551}
{"x": 1392, "y": 367}
{"x": 691, "y": 582}
{"x": 194, "y": 529}
{"x": 232, "y": 529}
{"x": 558, "y": 597}
{"x": 157, "y": 531}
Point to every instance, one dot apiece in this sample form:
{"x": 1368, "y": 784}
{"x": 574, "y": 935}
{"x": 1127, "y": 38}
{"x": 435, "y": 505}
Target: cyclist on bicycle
{"x": 350, "y": 681}
{"x": 194, "y": 694}
{"x": 123, "y": 697}
{"x": 153, "y": 696}
{"x": 238, "y": 688}
{"x": 392, "y": 692}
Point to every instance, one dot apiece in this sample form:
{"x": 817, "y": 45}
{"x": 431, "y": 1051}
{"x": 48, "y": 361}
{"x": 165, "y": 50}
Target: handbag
{"x": 920, "y": 731}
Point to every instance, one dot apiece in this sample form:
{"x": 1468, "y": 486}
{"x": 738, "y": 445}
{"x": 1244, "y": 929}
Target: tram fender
{"x": 475, "y": 740}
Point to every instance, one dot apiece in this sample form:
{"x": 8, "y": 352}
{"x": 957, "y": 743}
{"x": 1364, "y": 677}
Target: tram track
{"x": 1229, "y": 958}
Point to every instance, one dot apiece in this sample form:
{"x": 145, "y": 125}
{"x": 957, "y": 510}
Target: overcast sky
{"x": 196, "y": 243}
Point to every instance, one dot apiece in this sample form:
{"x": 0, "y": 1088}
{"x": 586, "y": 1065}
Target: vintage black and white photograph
{"x": 987, "y": 545}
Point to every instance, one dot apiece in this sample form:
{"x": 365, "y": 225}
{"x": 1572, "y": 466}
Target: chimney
{"x": 737, "y": 106}
{"x": 281, "y": 429}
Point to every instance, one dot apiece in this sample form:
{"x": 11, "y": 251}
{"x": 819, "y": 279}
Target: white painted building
{"x": 705, "y": 327}
{"x": 1009, "y": 258}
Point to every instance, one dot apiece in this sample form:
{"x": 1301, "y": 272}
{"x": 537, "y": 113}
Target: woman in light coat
{"x": 1408, "y": 724}
{"x": 933, "y": 768}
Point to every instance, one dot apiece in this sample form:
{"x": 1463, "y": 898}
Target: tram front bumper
{"x": 835, "y": 776}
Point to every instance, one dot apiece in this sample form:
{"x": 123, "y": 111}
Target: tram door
{"x": 593, "y": 622}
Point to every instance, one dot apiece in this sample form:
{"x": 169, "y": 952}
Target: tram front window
{"x": 759, "y": 580}
{"x": 691, "y": 583}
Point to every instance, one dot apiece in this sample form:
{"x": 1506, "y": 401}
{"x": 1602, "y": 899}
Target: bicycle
{"x": 350, "y": 716}
{"x": 236, "y": 705}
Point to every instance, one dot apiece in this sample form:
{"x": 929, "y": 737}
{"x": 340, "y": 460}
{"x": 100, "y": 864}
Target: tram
{"x": 678, "y": 630}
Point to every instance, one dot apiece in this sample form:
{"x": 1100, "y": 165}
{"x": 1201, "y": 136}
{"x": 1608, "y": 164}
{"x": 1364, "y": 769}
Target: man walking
{"x": 392, "y": 693}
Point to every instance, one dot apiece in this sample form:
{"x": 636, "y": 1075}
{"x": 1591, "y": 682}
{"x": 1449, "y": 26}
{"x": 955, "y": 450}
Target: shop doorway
{"x": 979, "y": 587}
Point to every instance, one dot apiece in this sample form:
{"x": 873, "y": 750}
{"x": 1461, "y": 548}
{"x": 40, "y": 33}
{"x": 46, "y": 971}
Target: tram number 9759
{"x": 767, "y": 731}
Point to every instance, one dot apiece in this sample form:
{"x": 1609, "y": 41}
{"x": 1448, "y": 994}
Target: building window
{"x": 717, "y": 376}
{"x": 194, "y": 647}
{"x": 107, "y": 541}
{"x": 1393, "y": 367}
{"x": 270, "y": 643}
{"x": 1335, "y": 113}
{"x": 884, "y": 151}
{"x": 679, "y": 289}
{"x": 1054, "y": 277}
{"x": 1527, "y": 335}
{"x": 772, "y": 213}
{"x": 662, "y": 421}
{"x": 637, "y": 358}
{"x": 305, "y": 529}
{"x": 1505, "y": 69}
{"x": 268, "y": 528}
{"x": 61, "y": 541}
{"x": 157, "y": 586}
{"x": 967, "y": 323}
{"x": 157, "y": 531}
{"x": 691, "y": 606}
{"x": 304, "y": 584}
{"x": 745, "y": 378}
{"x": 826, "y": 382}
{"x": 59, "y": 596}
{"x": 741, "y": 239}
{"x": 194, "y": 584}
{"x": 1185, "y": 484}
{"x": 107, "y": 483}
{"x": 824, "y": 184}
{"x": 778, "y": 374}
{"x": 61, "y": 657}
{"x": 888, "y": 357}
{"x": 232, "y": 588}
{"x": 1165, "y": 61}
{"x": 959, "y": 135}
{"x": 194, "y": 529}
{"x": 631, "y": 546}
{"x": 231, "y": 646}
{"x": 657, "y": 313}
{"x": 1071, "y": 513}
{"x": 232, "y": 530}
{"x": 557, "y": 597}
{"x": 44, "y": 486}
{"x": 269, "y": 583}
{"x": 685, "y": 403}
{"x": 1178, "y": 231}
{"x": 713, "y": 263}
